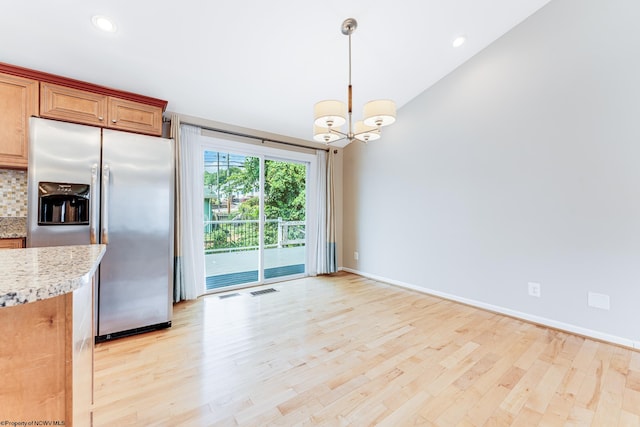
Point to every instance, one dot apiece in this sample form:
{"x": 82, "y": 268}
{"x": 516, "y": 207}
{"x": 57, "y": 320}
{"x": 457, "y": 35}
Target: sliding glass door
{"x": 285, "y": 218}
{"x": 255, "y": 215}
{"x": 231, "y": 213}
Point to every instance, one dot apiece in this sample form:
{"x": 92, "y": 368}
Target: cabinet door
{"x": 18, "y": 101}
{"x": 11, "y": 243}
{"x": 72, "y": 105}
{"x": 34, "y": 354}
{"x": 134, "y": 117}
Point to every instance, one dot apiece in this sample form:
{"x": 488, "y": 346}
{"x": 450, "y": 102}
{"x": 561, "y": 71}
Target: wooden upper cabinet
{"x": 134, "y": 116}
{"x": 25, "y": 93}
{"x": 18, "y": 101}
{"x": 73, "y": 105}
{"x": 79, "y": 106}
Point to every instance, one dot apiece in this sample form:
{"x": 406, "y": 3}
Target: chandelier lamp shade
{"x": 331, "y": 115}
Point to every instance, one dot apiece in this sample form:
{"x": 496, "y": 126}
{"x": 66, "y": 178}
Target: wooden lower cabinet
{"x": 18, "y": 102}
{"x": 13, "y": 243}
{"x": 47, "y": 360}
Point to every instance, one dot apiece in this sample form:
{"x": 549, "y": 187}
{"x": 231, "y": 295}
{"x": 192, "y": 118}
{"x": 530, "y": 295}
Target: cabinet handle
{"x": 113, "y": 120}
{"x": 100, "y": 118}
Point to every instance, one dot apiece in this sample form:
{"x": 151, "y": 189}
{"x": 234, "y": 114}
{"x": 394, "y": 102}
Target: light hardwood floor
{"x": 345, "y": 350}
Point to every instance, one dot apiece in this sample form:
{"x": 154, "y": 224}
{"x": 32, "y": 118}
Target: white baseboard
{"x": 567, "y": 327}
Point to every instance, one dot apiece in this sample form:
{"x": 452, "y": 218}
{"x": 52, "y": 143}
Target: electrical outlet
{"x": 601, "y": 301}
{"x": 534, "y": 289}
{"x": 356, "y": 255}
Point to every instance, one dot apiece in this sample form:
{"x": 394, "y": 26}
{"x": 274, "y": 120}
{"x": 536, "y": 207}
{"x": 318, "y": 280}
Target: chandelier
{"x": 331, "y": 115}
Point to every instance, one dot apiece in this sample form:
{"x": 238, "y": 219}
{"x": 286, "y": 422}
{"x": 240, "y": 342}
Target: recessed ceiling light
{"x": 104, "y": 23}
{"x": 459, "y": 41}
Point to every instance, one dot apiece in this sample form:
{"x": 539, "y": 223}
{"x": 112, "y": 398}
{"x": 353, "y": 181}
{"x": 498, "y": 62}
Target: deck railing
{"x": 244, "y": 235}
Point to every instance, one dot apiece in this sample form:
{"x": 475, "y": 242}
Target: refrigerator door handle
{"x": 105, "y": 204}
{"x": 93, "y": 238}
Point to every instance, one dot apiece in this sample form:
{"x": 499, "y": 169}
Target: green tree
{"x": 227, "y": 183}
{"x": 249, "y": 209}
{"x": 285, "y": 197}
{"x": 285, "y": 185}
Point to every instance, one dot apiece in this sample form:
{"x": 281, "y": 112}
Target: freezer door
{"x": 136, "y": 273}
{"x": 69, "y": 155}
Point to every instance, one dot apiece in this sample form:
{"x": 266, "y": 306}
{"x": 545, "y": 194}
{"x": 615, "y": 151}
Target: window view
{"x": 285, "y": 224}
{"x": 236, "y": 251}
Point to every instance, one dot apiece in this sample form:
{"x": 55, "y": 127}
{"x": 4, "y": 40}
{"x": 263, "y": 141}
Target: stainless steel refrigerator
{"x": 92, "y": 185}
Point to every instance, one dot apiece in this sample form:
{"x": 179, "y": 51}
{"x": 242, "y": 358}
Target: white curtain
{"x": 326, "y": 259}
{"x": 189, "y": 265}
{"x": 317, "y": 255}
{"x": 332, "y": 258}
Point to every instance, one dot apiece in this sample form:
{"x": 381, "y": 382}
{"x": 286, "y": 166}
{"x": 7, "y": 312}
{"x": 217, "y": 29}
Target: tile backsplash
{"x": 13, "y": 193}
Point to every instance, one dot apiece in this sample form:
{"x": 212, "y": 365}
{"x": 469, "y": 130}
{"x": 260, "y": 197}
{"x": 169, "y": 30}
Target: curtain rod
{"x": 244, "y": 135}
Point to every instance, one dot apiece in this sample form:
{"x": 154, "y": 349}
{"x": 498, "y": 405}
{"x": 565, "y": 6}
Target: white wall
{"x": 523, "y": 165}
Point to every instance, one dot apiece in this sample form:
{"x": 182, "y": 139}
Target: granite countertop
{"x": 12, "y": 227}
{"x": 39, "y": 273}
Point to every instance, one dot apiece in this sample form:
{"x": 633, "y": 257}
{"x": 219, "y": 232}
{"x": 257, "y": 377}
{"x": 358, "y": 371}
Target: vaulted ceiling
{"x": 255, "y": 64}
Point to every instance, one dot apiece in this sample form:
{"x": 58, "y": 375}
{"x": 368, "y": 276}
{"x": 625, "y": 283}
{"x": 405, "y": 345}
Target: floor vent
{"x": 228, "y": 295}
{"x": 262, "y": 292}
